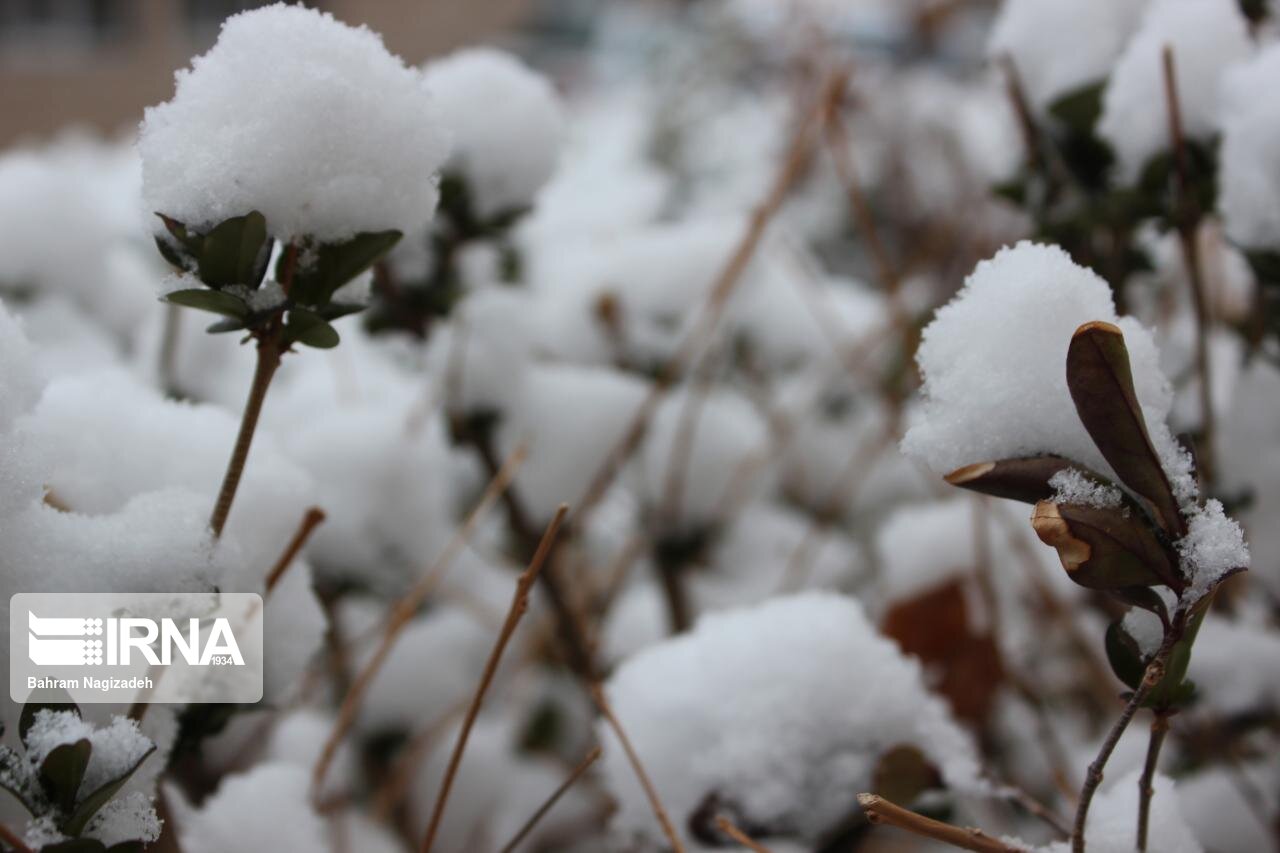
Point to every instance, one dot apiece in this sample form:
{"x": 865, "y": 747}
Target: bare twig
{"x": 880, "y": 810}
{"x": 655, "y": 802}
{"x": 404, "y": 609}
{"x": 550, "y": 802}
{"x": 519, "y": 604}
{"x": 1151, "y": 677}
{"x": 728, "y": 828}
{"x": 794, "y": 164}
{"x": 1159, "y": 728}
{"x": 313, "y": 518}
{"x": 1187, "y": 218}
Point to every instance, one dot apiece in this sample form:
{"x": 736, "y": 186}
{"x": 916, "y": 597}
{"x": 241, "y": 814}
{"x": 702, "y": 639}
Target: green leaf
{"x": 1080, "y": 108}
{"x": 335, "y": 310}
{"x": 1101, "y": 385}
{"x": 309, "y": 328}
{"x": 1023, "y": 479}
{"x": 230, "y": 324}
{"x": 236, "y": 252}
{"x": 76, "y": 845}
{"x": 1172, "y": 691}
{"x": 176, "y": 255}
{"x": 1124, "y": 656}
{"x": 216, "y": 301}
{"x": 95, "y": 800}
{"x": 186, "y": 238}
{"x": 59, "y": 700}
{"x": 62, "y": 771}
{"x": 1104, "y": 548}
{"x": 335, "y": 264}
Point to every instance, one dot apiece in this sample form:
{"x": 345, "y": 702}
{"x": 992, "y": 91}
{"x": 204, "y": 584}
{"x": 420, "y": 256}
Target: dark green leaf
{"x": 189, "y": 240}
{"x": 76, "y": 845}
{"x": 309, "y": 328}
{"x": 334, "y": 310}
{"x": 230, "y": 324}
{"x": 236, "y": 252}
{"x": 176, "y": 255}
{"x": 89, "y": 804}
{"x": 1080, "y": 108}
{"x": 1145, "y": 598}
{"x": 1103, "y": 547}
{"x": 1023, "y": 479}
{"x": 216, "y": 301}
{"x": 335, "y": 264}
{"x": 1101, "y": 384}
{"x": 62, "y": 771}
{"x": 1124, "y": 656}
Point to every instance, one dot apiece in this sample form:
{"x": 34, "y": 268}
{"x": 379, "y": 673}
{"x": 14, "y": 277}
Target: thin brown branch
{"x": 1187, "y": 217}
{"x": 1159, "y": 728}
{"x": 655, "y": 802}
{"x": 794, "y": 164}
{"x": 728, "y": 828}
{"x": 312, "y": 519}
{"x": 519, "y": 604}
{"x": 269, "y": 351}
{"x": 1151, "y": 677}
{"x": 550, "y": 802}
{"x": 880, "y": 810}
{"x": 405, "y": 609}
{"x": 8, "y": 836}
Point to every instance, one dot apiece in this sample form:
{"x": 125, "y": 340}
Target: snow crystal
{"x": 780, "y": 710}
{"x": 1146, "y": 630}
{"x": 994, "y": 365}
{"x": 1058, "y": 47}
{"x": 1250, "y": 153}
{"x": 129, "y": 817}
{"x": 506, "y": 123}
{"x": 1213, "y": 546}
{"x": 266, "y": 808}
{"x": 301, "y": 117}
{"x": 1206, "y": 36}
{"x": 1073, "y": 486}
{"x": 117, "y": 747}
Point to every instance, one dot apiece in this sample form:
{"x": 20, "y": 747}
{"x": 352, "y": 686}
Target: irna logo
{"x": 92, "y": 641}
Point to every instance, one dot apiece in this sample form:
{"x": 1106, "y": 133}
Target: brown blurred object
{"x": 935, "y": 626}
{"x": 98, "y": 63}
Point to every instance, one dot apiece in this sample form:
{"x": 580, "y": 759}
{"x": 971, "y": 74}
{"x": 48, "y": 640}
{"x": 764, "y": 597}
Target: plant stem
{"x": 1159, "y": 727}
{"x": 169, "y": 349}
{"x": 880, "y": 810}
{"x": 1187, "y": 217}
{"x": 312, "y": 519}
{"x": 268, "y": 362}
{"x": 519, "y": 604}
{"x": 1154, "y": 673}
{"x": 728, "y": 828}
{"x": 550, "y": 802}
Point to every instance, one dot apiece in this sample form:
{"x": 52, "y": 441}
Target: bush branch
{"x": 880, "y": 810}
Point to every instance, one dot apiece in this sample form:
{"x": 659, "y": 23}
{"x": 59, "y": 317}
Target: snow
{"x": 127, "y": 817}
{"x": 713, "y": 443}
{"x": 506, "y": 121}
{"x": 1058, "y": 47}
{"x": 116, "y": 747}
{"x": 1112, "y": 823}
{"x": 265, "y": 808}
{"x": 781, "y": 710}
{"x": 570, "y": 418}
{"x": 994, "y": 366}
{"x": 1250, "y": 152}
{"x": 1214, "y": 545}
{"x": 1073, "y": 486}
{"x": 1145, "y": 629}
{"x": 301, "y": 117}
{"x": 1206, "y": 37}
{"x": 19, "y": 379}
